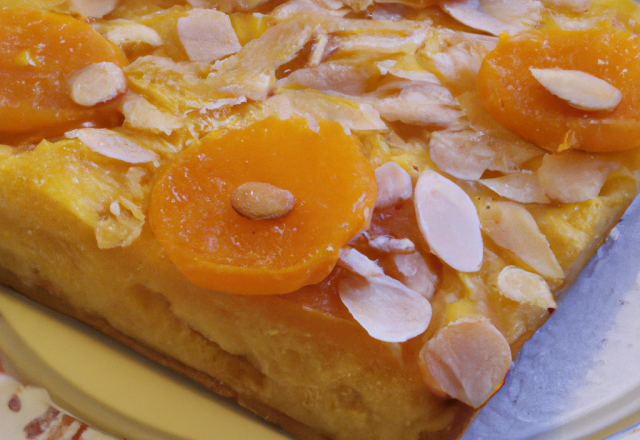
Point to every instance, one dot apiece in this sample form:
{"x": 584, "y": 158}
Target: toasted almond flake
{"x": 386, "y": 243}
{"x": 521, "y": 187}
{"x": 342, "y": 78}
{"x": 525, "y": 287}
{"x": 93, "y": 8}
{"x": 475, "y": 15}
{"x": 96, "y": 83}
{"x": 350, "y": 114}
{"x": 251, "y": 71}
{"x": 126, "y": 33}
{"x": 448, "y": 221}
{"x": 416, "y": 274}
{"x": 140, "y": 113}
{"x": 261, "y": 201}
{"x": 458, "y": 62}
{"x": 387, "y": 309}
{"x": 572, "y": 176}
{"x": 207, "y": 35}
{"x": 467, "y": 360}
{"x": 394, "y": 185}
{"x": 466, "y": 154}
{"x": 358, "y": 263}
{"x": 579, "y": 89}
{"x": 512, "y": 227}
{"x": 420, "y": 103}
{"x": 111, "y": 144}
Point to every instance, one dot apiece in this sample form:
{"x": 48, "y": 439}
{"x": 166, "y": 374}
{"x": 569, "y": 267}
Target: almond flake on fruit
{"x": 416, "y": 274}
{"x": 579, "y": 89}
{"x": 394, "y": 185}
{"x": 525, "y": 287}
{"x": 261, "y": 201}
{"x": 449, "y": 222}
{"x": 126, "y": 33}
{"x": 387, "y": 309}
{"x": 474, "y": 14}
{"x": 111, "y": 144}
{"x": 93, "y": 8}
{"x": 386, "y": 243}
{"x": 140, "y": 113}
{"x": 467, "y": 360}
{"x": 96, "y": 83}
{"x": 207, "y": 35}
{"x": 512, "y": 227}
{"x": 521, "y": 187}
{"x": 573, "y": 176}
{"x": 358, "y": 263}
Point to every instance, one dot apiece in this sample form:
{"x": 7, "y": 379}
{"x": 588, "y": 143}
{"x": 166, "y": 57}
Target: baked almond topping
{"x": 474, "y": 14}
{"x": 449, "y": 222}
{"x": 512, "y": 227}
{"x": 126, "y": 33}
{"x": 207, "y": 35}
{"x": 467, "y": 359}
{"x": 261, "y": 201}
{"x": 416, "y": 274}
{"x": 579, "y": 89}
{"x": 572, "y": 176}
{"x": 525, "y": 287}
{"x": 111, "y": 144}
{"x": 386, "y": 308}
{"x": 93, "y": 8}
{"x": 522, "y": 187}
{"x": 394, "y": 185}
{"x": 100, "y": 82}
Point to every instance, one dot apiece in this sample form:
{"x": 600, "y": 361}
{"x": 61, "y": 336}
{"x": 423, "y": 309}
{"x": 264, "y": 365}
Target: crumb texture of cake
{"x": 346, "y": 215}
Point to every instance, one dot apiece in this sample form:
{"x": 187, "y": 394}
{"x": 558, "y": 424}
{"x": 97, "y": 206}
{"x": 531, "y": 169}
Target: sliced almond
{"x": 386, "y": 243}
{"x": 342, "y": 78}
{"x": 475, "y": 15}
{"x": 96, "y": 83}
{"x": 572, "y": 176}
{"x": 525, "y": 287}
{"x": 113, "y": 145}
{"x": 512, "y": 227}
{"x": 358, "y": 263}
{"x": 579, "y": 89}
{"x": 93, "y": 8}
{"x": 467, "y": 360}
{"x": 448, "y": 221}
{"x": 387, "y": 309}
{"x": 521, "y": 187}
{"x": 261, "y": 201}
{"x": 394, "y": 185}
{"x": 126, "y": 33}
{"x": 416, "y": 274}
{"x": 207, "y": 35}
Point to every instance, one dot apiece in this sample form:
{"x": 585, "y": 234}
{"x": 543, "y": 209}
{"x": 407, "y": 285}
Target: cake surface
{"x": 378, "y": 314}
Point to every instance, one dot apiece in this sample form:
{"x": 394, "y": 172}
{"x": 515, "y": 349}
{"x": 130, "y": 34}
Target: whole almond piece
{"x": 579, "y": 89}
{"x": 261, "y": 201}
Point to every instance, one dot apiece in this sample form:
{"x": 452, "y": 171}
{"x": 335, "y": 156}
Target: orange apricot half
{"x": 517, "y": 100}
{"x": 39, "y": 53}
{"x": 216, "y": 247}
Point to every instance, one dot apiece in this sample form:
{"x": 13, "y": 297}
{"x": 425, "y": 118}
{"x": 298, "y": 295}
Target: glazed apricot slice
{"x": 517, "y": 100}
{"x": 39, "y": 54}
{"x": 218, "y": 248}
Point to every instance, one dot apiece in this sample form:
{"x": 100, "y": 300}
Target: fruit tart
{"x": 347, "y": 215}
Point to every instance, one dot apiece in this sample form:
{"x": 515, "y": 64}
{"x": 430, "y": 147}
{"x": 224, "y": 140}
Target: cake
{"x": 347, "y": 216}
